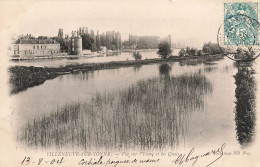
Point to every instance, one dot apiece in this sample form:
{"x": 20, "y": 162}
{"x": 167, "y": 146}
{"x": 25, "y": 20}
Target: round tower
{"x": 76, "y": 46}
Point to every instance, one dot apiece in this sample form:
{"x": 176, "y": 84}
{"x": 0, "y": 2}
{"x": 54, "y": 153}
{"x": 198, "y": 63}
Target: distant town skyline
{"x": 142, "y": 18}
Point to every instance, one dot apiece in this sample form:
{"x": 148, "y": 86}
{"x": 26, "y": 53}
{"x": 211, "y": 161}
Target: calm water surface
{"x": 88, "y": 59}
{"x": 215, "y": 123}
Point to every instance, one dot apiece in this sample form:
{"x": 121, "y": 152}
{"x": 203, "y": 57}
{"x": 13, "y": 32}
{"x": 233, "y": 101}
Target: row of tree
{"x": 164, "y": 51}
{"x": 211, "y": 48}
{"x": 141, "y": 42}
{"x": 190, "y": 52}
{"x": 208, "y": 48}
{"x": 111, "y": 40}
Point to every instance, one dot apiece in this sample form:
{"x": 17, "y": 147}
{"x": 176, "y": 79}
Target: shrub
{"x": 137, "y": 56}
{"x": 193, "y": 52}
{"x": 189, "y": 51}
{"x": 164, "y": 50}
{"x": 200, "y": 53}
{"x": 244, "y": 54}
{"x": 211, "y": 48}
{"x": 182, "y": 52}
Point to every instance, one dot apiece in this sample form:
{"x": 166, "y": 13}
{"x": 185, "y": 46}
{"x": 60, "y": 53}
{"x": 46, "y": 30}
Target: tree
{"x": 103, "y": 39}
{"x": 117, "y": 43}
{"x": 182, "y": 52}
{"x": 98, "y": 42}
{"x": 164, "y": 50}
{"x": 43, "y": 37}
{"x": 206, "y": 47}
{"x": 108, "y": 40}
{"x": 94, "y": 47}
{"x": 211, "y": 48}
{"x": 112, "y": 47}
{"x": 193, "y": 52}
{"x": 125, "y": 44}
{"x": 137, "y": 56}
{"x": 64, "y": 44}
{"x": 146, "y": 42}
{"x": 200, "y": 53}
{"x": 87, "y": 41}
{"x": 245, "y": 54}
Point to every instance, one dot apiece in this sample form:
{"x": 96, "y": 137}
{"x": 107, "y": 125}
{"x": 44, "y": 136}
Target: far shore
{"x": 63, "y": 55}
{"x": 22, "y": 77}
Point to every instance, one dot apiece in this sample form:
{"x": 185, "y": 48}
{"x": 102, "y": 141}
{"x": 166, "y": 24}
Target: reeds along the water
{"x": 149, "y": 114}
{"x": 210, "y": 68}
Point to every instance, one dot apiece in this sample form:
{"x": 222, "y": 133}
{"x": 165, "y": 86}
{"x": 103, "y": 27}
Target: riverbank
{"x": 22, "y": 77}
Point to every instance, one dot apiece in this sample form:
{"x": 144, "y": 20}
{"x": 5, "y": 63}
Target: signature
{"x": 183, "y": 158}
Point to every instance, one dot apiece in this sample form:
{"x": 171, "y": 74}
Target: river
{"x": 211, "y": 116}
{"x": 123, "y": 56}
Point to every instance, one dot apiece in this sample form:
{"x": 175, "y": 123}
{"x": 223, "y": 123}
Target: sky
{"x": 187, "y": 21}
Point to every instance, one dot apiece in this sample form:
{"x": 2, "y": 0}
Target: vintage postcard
{"x": 129, "y": 83}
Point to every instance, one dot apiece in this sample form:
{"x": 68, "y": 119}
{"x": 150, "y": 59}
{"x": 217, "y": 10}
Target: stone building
{"x": 32, "y": 48}
{"x": 14, "y": 50}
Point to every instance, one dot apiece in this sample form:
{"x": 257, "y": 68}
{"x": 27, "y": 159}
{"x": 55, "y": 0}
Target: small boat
{"x": 63, "y": 73}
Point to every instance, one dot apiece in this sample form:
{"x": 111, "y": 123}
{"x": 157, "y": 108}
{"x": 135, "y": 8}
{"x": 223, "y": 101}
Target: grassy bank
{"x": 148, "y": 114}
{"x": 22, "y": 77}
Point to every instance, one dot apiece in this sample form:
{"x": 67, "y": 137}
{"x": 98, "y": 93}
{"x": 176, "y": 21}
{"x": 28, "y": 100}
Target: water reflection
{"x": 81, "y": 76}
{"x": 210, "y": 68}
{"x": 149, "y": 114}
{"x": 200, "y": 60}
{"x": 137, "y": 68}
{"x": 121, "y": 56}
{"x": 245, "y": 115}
{"x": 165, "y": 69}
{"x": 196, "y": 114}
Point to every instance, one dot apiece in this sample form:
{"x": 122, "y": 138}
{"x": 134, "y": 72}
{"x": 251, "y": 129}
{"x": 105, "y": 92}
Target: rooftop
{"x": 38, "y": 41}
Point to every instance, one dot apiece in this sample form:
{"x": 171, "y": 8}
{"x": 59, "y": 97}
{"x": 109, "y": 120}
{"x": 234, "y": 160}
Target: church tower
{"x": 60, "y": 33}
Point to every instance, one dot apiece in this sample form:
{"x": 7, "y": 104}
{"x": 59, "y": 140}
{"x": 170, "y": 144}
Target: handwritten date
{"x": 28, "y": 160}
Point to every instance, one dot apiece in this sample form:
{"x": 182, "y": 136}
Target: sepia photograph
{"x": 128, "y": 83}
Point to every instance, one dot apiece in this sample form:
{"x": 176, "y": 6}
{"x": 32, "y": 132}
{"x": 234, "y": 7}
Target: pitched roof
{"x": 38, "y": 41}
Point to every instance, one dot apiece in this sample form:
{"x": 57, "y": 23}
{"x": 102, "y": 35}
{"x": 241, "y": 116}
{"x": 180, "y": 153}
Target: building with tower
{"x": 75, "y": 44}
{"x": 60, "y": 33}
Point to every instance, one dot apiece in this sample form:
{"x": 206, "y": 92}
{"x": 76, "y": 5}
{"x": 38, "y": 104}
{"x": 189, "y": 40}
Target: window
{"x": 41, "y": 47}
{"x": 45, "y": 47}
{"x": 37, "y": 47}
{"x": 33, "y": 47}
